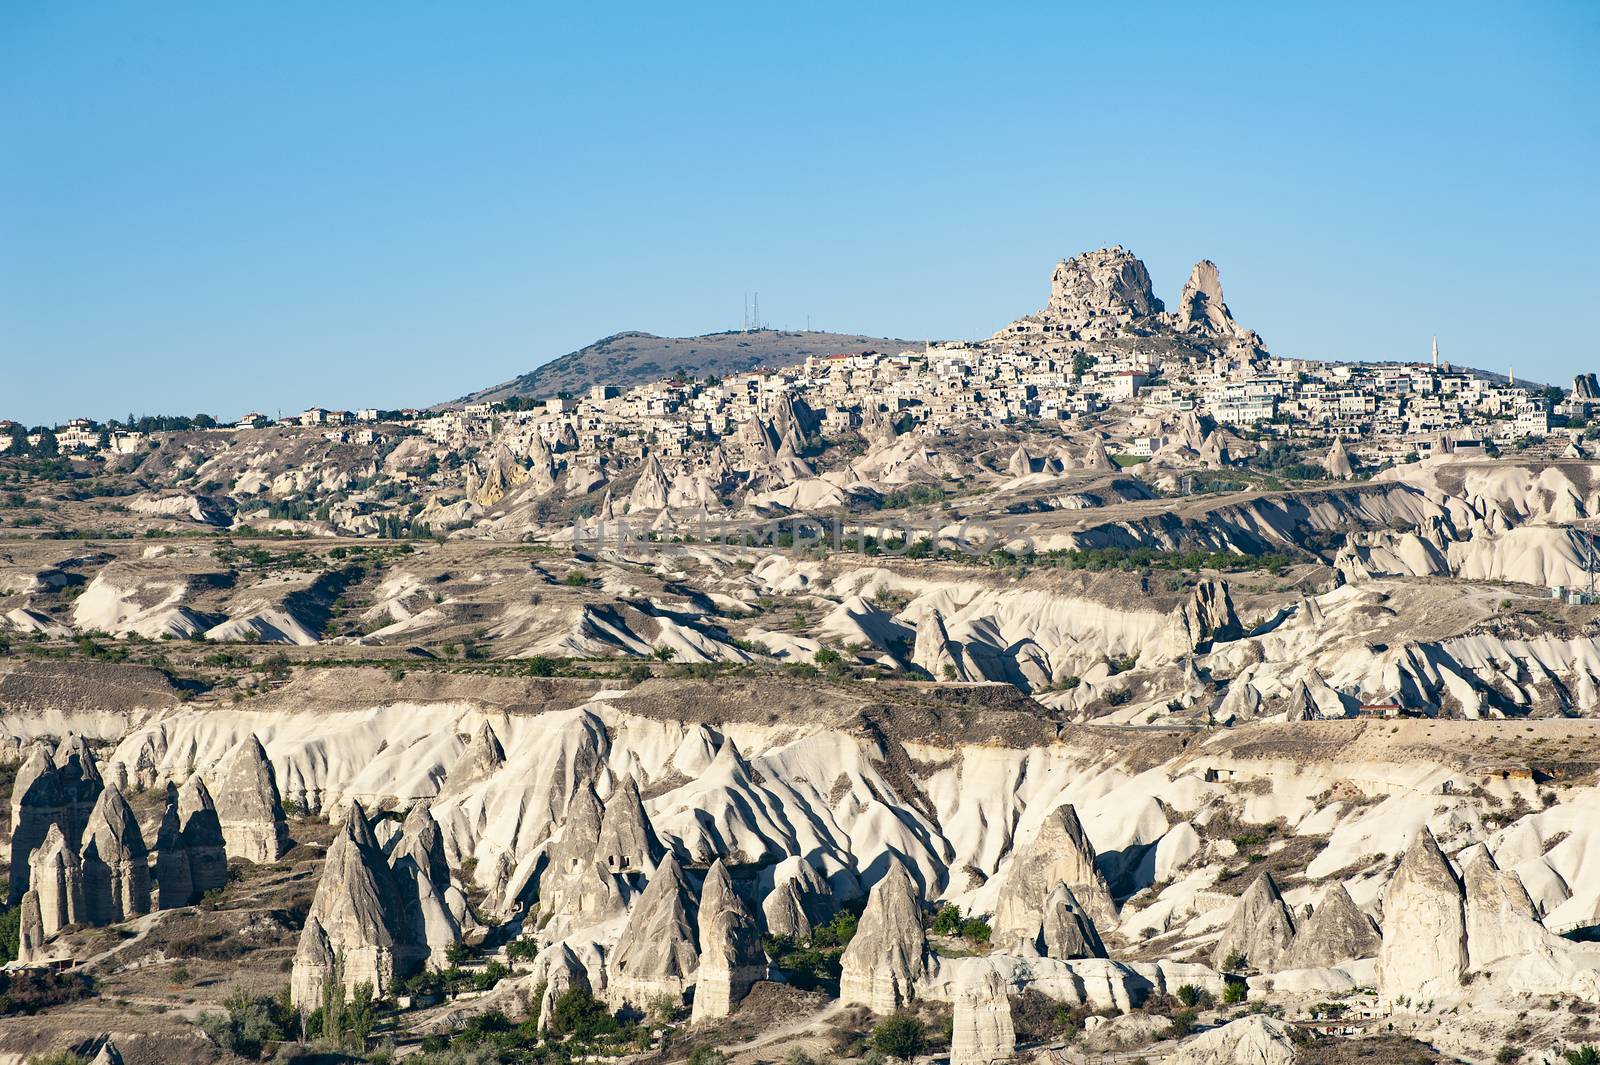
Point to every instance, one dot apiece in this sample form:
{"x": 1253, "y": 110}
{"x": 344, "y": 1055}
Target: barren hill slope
{"x": 634, "y": 358}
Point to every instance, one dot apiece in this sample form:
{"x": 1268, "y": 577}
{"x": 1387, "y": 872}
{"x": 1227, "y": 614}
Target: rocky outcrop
{"x": 785, "y": 914}
{"x": 1067, "y": 931}
{"x": 108, "y": 1054}
{"x": 1499, "y": 914}
{"x": 59, "y": 788}
{"x": 1337, "y": 464}
{"x": 1424, "y": 951}
{"x": 203, "y": 841}
{"x": 357, "y": 920}
{"x": 250, "y": 811}
{"x": 934, "y": 652}
{"x": 1336, "y": 932}
{"x": 481, "y": 757}
{"x": 422, "y": 878}
{"x": 1106, "y": 289}
{"x": 650, "y": 491}
{"x": 1059, "y": 854}
{"x": 56, "y": 877}
{"x": 1200, "y": 307}
{"x": 174, "y": 885}
{"x": 1261, "y": 928}
{"x": 982, "y": 1032}
{"x": 1208, "y": 616}
{"x": 558, "y": 970}
{"x": 30, "y": 930}
{"x": 656, "y": 953}
{"x": 731, "y": 958}
{"x": 627, "y": 843}
{"x": 888, "y": 953}
{"x": 115, "y": 862}
{"x": 576, "y": 888}
{"x": 1256, "y": 1040}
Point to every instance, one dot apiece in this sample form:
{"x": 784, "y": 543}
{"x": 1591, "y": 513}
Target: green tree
{"x": 1583, "y": 1055}
{"x": 947, "y": 922}
{"x": 902, "y": 1035}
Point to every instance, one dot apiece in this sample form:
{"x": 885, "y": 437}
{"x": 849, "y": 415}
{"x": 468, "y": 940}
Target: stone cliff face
{"x": 1060, "y": 854}
{"x": 1260, "y": 929}
{"x": 1105, "y": 288}
{"x": 251, "y": 812}
{"x": 889, "y": 951}
{"x": 1424, "y": 952}
{"x": 731, "y": 958}
{"x": 656, "y": 954}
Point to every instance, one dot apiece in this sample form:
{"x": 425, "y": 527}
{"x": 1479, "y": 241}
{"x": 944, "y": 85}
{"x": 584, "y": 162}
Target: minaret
{"x": 1436, "y": 352}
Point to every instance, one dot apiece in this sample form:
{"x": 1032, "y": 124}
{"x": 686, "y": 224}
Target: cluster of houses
{"x": 957, "y": 386}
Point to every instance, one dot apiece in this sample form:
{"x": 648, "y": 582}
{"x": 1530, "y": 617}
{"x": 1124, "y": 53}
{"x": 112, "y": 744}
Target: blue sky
{"x": 225, "y": 207}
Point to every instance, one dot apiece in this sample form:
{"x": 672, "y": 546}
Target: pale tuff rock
{"x": 575, "y": 886}
{"x": 1208, "y": 615}
{"x": 1200, "y": 307}
{"x": 30, "y": 930}
{"x": 481, "y": 757}
{"x": 359, "y": 917}
{"x": 1060, "y": 854}
{"x": 1336, "y": 932}
{"x": 35, "y": 806}
{"x": 731, "y": 958}
{"x": 627, "y": 843}
{"x": 1424, "y": 952}
{"x": 934, "y": 652}
{"x": 57, "y": 878}
{"x": 115, "y": 863}
{"x": 250, "y": 811}
{"x": 174, "y": 881}
{"x": 1021, "y": 463}
{"x": 203, "y": 842}
{"x": 888, "y": 953}
{"x": 1312, "y": 699}
{"x": 1098, "y": 458}
{"x": 59, "y": 789}
{"x": 1499, "y": 914}
{"x": 1338, "y": 462}
{"x": 982, "y": 1031}
{"x": 1067, "y": 932}
{"x": 784, "y": 913}
{"x": 559, "y": 971}
{"x": 1261, "y": 928}
{"x": 656, "y": 953}
{"x": 1104, "y": 288}
{"x": 108, "y": 1055}
{"x": 422, "y": 879}
{"x": 1255, "y": 1040}
{"x": 1213, "y": 452}
{"x": 650, "y": 491}
{"x": 1242, "y": 702}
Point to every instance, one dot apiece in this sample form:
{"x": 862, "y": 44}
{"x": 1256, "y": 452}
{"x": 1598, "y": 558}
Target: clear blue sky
{"x": 238, "y": 206}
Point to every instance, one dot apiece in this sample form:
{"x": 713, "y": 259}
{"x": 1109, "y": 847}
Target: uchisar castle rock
{"x": 1108, "y": 688}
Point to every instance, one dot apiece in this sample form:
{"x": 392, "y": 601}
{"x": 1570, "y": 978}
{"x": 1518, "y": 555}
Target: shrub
{"x": 975, "y": 930}
{"x": 707, "y": 1055}
{"x": 1183, "y": 1023}
{"x": 900, "y": 1036}
{"x": 826, "y": 656}
{"x": 1190, "y": 995}
{"x": 1233, "y": 962}
{"x": 1583, "y": 1055}
{"x": 576, "y": 579}
{"x": 948, "y": 920}
{"x": 1234, "y": 992}
{"x": 579, "y": 1014}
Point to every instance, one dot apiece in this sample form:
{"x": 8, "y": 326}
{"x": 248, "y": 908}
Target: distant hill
{"x": 637, "y": 358}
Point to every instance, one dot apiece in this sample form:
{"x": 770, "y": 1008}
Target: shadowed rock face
{"x": 59, "y": 788}
{"x": 1336, "y": 932}
{"x": 982, "y": 1031}
{"x": 574, "y": 886}
{"x": 30, "y": 929}
{"x": 116, "y": 864}
{"x": 202, "y": 837}
{"x": 1261, "y": 928}
{"x": 1499, "y": 914}
{"x": 785, "y": 915}
{"x": 174, "y": 881}
{"x": 889, "y": 950}
{"x": 1067, "y": 931}
{"x": 731, "y": 958}
{"x": 656, "y": 954}
{"x": 423, "y": 878}
{"x": 360, "y": 919}
{"x": 57, "y": 878}
{"x": 1424, "y": 951}
{"x": 1060, "y": 854}
{"x": 250, "y": 810}
{"x": 627, "y": 843}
